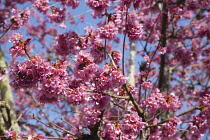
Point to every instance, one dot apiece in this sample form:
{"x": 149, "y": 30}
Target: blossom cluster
{"x": 20, "y": 18}
{"x": 132, "y": 123}
{"x": 166, "y": 131}
{"x": 134, "y": 31}
{"x": 57, "y": 14}
{"x": 67, "y": 43}
{"x": 199, "y": 126}
{"x": 158, "y": 100}
{"x": 147, "y": 85}
{"x": 108, "y": 31}
{"x": 13, "y": 135}
{"x": 127, "y": 3}
{"x": 42, "y": 5}
{"x": 98, "y": 6}
{"x": 50, "y": 80}
{"x": 20, "y": 48}
{"x": 85, "y": 68}
{"x": 116, "y": 56}
{"x": 76, "y": 96}
{"x": 91, "y": 116}
{"x": 110, "y": 77}
{"x": 73, "y": 3}
{"x": 28, "y": 73}
{"x": 100, "y": 101}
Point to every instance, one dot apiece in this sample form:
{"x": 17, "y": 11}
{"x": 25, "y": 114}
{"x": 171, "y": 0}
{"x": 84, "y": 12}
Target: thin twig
{"x": 111, "y": 95}
{"x": 7, "y": 30}
{"x": 69, "y": 124}
{"x": 123, "y": 53}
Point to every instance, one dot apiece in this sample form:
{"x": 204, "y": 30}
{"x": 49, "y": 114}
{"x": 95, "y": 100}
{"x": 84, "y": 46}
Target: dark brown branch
{"x": 139, "y": 110}
{"x": 162, "y": 77}
{"x": 183, "y": 113}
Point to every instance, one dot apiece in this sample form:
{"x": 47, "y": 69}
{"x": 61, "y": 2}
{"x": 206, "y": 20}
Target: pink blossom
{"x": 67, "y": 43}
{"x": 62, "y": 25}
{"x": 73, "y": 3}
{"x": 10, "y": 134}
{"x": 113, "y": 130}
{"x": 206, "y": 102}
{"x": 160, "y": 100}
{"x": 28, "y": 73}
{"x": 15, "y": 38}
{"x": 97, "y": 53}
{"x": 132, "y": 124}
{"x": 116, "y": 56}
{"x": 42, "y": 5}
{"x": 76, "y": 96}
{"x": 199, "y": 126}
{"x": 91, "y": 116}
{"x": 108, "y": 31}
{"x": 52, "y": 87}
{"x": 100, "y": 101}
{"x": 57, "y": 14}
{"x": 117, "y": 17}
{"x": 110, "y": 77}
{"x": 134, "y": 30}
{"x": 169, "y": 129}
{"x": 98, "y": 6}
{"x": 183, "y": 56}
{"x": 85, "y": 68}
{"x": 147, "y": 85}
{"x": 20, "y": 18}
{"x": 20, "y": 48}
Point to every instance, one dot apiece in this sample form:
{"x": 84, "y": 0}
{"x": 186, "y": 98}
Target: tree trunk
{"x": 132, "y": 67}
{"x": 8, "y": 121}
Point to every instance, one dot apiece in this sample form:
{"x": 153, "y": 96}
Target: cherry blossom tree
{"x": 105, "y": 69}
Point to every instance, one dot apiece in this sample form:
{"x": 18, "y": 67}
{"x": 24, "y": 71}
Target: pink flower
{"x": 68, "y": 43}
{"x": 52, "y": 87}
{"x": 169, "y": 129}
{"x": 97, "y": 53}
{"x": 132, "y": 124}
{"x": 20, "y": 18}
{"x": 85, "y": 68}
{"x": 42, "y": 5}
{"x": 73, "y": 3}
{"x": 98, "y": 4}
{"x": 172, "y": 102}
{"x": 76, "y": 96}
{"x": 109, "y": 77}
{"x": 116, "y": 56}
{"x": 57, "y": 14}
{"x": 62, "y": 25}
{"x": 20, "y": 48}
{"x": 113, "y": 131}
{"x": 199, "y": 126}
{"x": 147, "y": 85}
{"x": 28, "y": 73}
{"x": 134, "y": 30}
{"x": 91, "y": 116}
{"x": 108, "y": 31}
{"x": 15, "y": 38}
{"x": 160, "y": 100}
{"x": 10, "y": 134}
{"x": 100, "y": 101}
